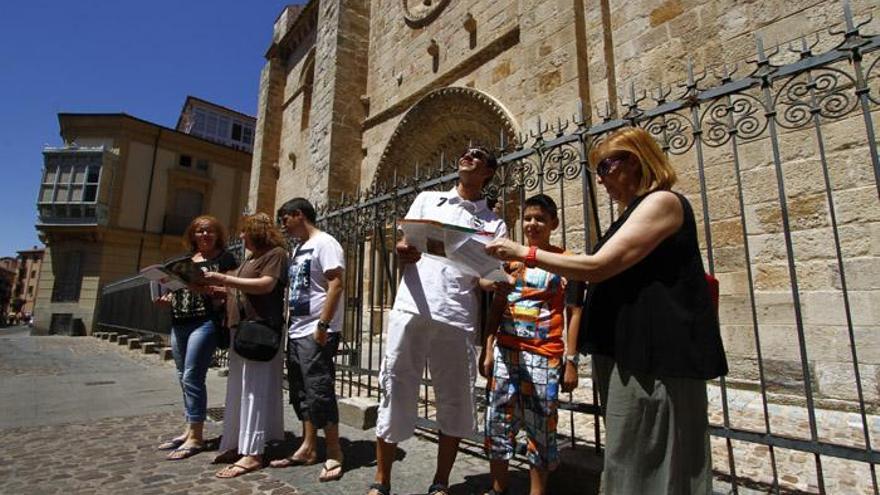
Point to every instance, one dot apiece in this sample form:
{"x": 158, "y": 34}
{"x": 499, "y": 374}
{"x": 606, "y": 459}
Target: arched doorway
{"x": 443, "y": 122}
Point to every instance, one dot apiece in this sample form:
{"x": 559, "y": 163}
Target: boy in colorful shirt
{"x": 523, "y": 356}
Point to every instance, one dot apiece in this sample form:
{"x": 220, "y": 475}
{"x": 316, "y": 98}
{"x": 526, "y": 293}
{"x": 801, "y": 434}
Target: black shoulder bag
{"x": 254, "y": 338}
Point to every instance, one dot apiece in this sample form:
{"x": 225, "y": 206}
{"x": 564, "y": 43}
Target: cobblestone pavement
{"x": 796, "y": 470}
{"x": 107, "y": 453}
{"x": 114, "y": 451}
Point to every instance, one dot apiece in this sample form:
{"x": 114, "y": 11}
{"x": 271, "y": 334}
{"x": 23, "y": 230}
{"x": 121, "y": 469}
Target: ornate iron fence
{"x": 782, "y": 167}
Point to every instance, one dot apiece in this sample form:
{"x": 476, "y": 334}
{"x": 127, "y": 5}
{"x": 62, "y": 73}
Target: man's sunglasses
{"x": 608, "y": 165}
{"x": 476, "y": 154}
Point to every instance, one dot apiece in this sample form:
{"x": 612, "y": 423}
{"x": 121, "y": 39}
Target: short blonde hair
{"x": 262, "y": 231}
{"x": 189, "y": 236}
{"x": 656, "y": 172}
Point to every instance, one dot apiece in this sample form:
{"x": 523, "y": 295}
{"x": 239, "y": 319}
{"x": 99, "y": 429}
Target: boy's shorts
{"x": 523, "y": 393}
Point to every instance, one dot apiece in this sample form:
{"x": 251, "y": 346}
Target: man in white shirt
{"x": 433, "y": 319}
{"x": 315, "y": 322}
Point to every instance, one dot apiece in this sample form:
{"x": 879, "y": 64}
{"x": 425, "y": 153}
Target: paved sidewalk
{"x": 66, "y": 430}
{"x": 81, "y": 415}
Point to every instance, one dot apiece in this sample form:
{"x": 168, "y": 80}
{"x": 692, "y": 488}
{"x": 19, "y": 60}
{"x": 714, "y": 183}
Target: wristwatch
{"x": 573, "y": 358}
{"x": 323, "y": 326}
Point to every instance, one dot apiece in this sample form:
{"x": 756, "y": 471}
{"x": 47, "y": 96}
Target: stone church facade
{"x": 353, "y": 91}
{"x": 357, "y": 93}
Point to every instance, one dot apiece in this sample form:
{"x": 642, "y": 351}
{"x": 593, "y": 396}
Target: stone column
{"x": 335, "y": 140}
{"x": 267, "y": 139}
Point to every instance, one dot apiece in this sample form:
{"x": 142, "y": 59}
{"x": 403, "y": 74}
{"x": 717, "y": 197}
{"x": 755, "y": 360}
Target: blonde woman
{"x": 648, "y": 321}
{"x": 253, "y": 414}
{"x": 195, "y": 314}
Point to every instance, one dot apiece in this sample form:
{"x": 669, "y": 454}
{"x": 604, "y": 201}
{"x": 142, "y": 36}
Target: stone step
{"x": 149, "y": 347}
{"x": 134, "y": 343}
{"x": 165, "y": 354}
{"x": 112, "y": 336}
{"x": 358, "y": 412}
{"x": 122, "y": 339}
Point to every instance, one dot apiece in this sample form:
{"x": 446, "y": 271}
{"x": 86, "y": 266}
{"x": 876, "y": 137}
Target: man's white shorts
{"x": 449, "y": 351}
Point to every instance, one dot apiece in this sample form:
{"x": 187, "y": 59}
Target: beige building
{"x": 8, "y": 273}
{"x": 27, "y": 282}
{"x": 116, "y": 197}
{"x": 356, "y": 93}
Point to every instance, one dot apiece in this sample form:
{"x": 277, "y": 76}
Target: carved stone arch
{"x": 307, "y": 74}
{"x": 445, "y": 120}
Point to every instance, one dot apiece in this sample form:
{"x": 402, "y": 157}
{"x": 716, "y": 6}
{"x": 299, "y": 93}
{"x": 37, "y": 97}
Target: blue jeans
{"x": 193, "y": 346}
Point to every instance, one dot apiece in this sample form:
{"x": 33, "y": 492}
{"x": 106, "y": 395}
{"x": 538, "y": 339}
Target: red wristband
{"x": 532, "y": 258}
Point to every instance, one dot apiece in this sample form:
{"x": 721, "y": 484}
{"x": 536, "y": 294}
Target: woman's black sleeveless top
{"x": 657, "y": 317}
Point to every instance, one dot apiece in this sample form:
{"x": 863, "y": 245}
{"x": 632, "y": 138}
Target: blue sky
{"x": 141, "y": 58}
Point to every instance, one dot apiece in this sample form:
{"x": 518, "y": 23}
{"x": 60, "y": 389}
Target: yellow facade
{"x": 138, "y": 224}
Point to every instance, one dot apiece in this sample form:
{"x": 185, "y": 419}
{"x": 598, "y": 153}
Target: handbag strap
{"x": 238, "y": 300}
{"x": 241, "y": 312}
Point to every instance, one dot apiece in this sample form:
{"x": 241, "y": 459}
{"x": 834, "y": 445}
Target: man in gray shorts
{"x": 316, "y": 314}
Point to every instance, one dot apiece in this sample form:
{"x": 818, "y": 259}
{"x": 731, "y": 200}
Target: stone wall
{"x": 375, "y": 63}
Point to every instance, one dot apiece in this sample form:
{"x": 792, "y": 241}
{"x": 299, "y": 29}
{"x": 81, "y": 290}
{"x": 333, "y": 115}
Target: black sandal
{"x": 438, "y": 489}
{"x": 380, "y": 488}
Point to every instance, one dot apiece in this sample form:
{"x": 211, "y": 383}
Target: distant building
{"x": 8, "y": 271}
{"x": 217, "y": 123}
{"x": 116, "y": 197}
{"x": 27, "y": 282}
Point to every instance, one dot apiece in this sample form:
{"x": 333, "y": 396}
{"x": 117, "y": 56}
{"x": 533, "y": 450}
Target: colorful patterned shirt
{"x": 535, "y": 315}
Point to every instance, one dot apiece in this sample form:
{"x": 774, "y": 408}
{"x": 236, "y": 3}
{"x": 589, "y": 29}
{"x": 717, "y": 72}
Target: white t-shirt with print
{"x": 308, "y": 285}
{"x": 433, "y": 287}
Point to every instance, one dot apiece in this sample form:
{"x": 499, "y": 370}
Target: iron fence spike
{"x": 848, "y": 16}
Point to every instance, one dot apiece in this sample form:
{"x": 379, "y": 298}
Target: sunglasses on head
{"x": 607, "y": 165}
{"x": 475, "y": 154}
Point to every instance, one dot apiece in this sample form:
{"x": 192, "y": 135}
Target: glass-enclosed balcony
{"x": 73, "y": 190}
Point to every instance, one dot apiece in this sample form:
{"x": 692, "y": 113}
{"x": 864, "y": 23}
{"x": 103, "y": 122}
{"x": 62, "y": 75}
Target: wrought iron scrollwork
{"x": 561, "y": 162}
{"x": 740, "y": 114}
{"x": 824, "y": 91}
{"x": 522, "y": 174}
{"x": 674, "y": 132}
{"x": 872, "y": 78}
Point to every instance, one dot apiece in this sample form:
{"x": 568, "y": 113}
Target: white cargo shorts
{"x": 449, "y": 352}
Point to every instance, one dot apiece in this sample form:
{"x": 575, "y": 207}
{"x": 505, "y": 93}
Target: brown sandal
{"x": 228, "y": 472}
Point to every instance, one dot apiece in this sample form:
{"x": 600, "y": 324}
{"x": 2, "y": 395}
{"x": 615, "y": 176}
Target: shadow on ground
{"x": 358, "y": 453}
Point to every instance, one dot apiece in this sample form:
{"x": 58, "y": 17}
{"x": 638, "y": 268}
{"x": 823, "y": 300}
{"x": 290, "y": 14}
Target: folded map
{"x": 464, "y": 247}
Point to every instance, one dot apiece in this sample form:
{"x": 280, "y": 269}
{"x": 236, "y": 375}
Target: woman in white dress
{"x": 254, "y": 410}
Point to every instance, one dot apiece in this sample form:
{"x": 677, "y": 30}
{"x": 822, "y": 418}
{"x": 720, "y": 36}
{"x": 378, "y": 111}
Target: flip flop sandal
{"x": 243, "y": 471}
{"x": 184, "y": 453}
{"x": 293, "y": 461}
{"x": 380, "y": 489}
{"x": 171, "y": 444}
{"x": 330, "y": 465}
{"x": 438, "y": 489}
